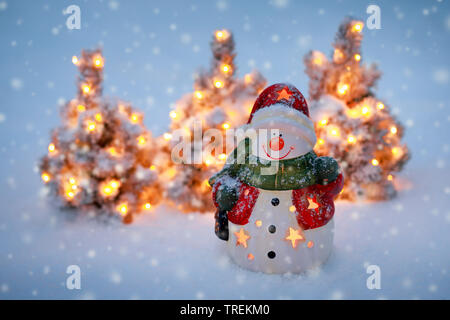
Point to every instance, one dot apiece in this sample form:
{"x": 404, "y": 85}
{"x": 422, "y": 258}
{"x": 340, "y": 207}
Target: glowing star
{"x": 311, "y": 204}
{"x": 295, "y": 236}
{"x": 284, "y": 94}
{"x": 242, "y": 237}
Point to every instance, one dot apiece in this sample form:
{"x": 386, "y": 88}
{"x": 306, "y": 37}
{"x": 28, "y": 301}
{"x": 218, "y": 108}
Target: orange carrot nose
{"x": 276, "y": 144}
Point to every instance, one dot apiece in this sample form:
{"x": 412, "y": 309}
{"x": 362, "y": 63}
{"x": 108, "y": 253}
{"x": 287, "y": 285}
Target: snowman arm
{"x": 327, "y": 170}
{"x": 225, "y": 193}
{"x": 321, "y": 196}
{"x": 239, "y": 207}
{"x": 243, "y": 209}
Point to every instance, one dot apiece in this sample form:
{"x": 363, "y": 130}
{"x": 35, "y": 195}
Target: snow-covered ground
{"x": 166, "y": 254}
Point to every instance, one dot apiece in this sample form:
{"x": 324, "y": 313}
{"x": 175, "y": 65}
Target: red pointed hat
{"x": 283, "y": 93}
{"x": 283, "y": 100}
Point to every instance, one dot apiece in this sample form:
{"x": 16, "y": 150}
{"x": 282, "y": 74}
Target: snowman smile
{"x": 267, "y": 154}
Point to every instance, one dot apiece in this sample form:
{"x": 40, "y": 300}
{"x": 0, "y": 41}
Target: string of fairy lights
{"x": 365, "y": 126}
{"x": 100, "y": 159}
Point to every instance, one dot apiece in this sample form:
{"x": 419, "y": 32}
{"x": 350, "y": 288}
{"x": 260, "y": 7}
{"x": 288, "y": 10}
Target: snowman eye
{"x": 281, "y": 135}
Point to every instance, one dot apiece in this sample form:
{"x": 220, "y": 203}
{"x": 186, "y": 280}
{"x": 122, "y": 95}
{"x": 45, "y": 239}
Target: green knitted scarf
{"x": 289, "y": 174}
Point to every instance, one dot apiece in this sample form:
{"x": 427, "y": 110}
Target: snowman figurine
{"x": 275, "y": 196}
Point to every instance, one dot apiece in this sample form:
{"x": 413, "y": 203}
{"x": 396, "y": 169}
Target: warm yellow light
{"x": 226, "y": 68}
{"x": 98, "y": 62}
{"x": 70, "y": 195}
{"x": 393, "y": 129}
{"x": 167, "y": 136}
{"x": 173, "y": 114}
{"x": 226, "y": 126}
{"x": 75, "y": 60}
{"x": 112, "y": 151}
{"x": 248, "y": 78}
{"x": 51, "y": 148}
{"x": 365, "y": 110}
{"x": 390, "y": 177}
{"x": 357, "y": 27}
{"x": 395, "y": 150}
{"x": 218, "y": 84}
{"x": 109, "y": 188}
{"x": 72, "y": 180}
{"x": 375, "y": 162}
{"x": 342, "y": 89}
{"x": 357, "y": 57}
{"x": 147, "y": 206}
{"x": 380, "y": 106}
{"x": 207, "y": 162}
{"x": 334, "y": 131}
{"x": 134, "y": 118}
{"x": 98, "y": 117}
{"x": 45, "y": 177}
{"x": 351, "y": 139}
{"x": 221, "y": 35}
{"x": 81, "y": 108}
{"x": 198, "y": 94}
{"x": 86, "y": 89}
{"x": 152, "y": 167}
{"x": 292, "y": 208}
{"x": 317, "y": 61}
{"x": 323, "y": 122}
{"x": 222, "y": 156}
{"x": 122, "y": 208}
{"x": 115, "y": 184}
{"x": 338, "y": 55}
{"x": 320, "y": 141}
{"x": 90, "y": 125}
{"x": 141, "y": 140}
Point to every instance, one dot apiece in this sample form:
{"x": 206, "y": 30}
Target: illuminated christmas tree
{"x": 352, "y": 124}
{"x": 220, "y": 101}
{"x": 100, "y": 159}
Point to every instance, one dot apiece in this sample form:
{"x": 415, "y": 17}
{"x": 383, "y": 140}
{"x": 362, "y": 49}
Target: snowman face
{"x": 280, "y": 140}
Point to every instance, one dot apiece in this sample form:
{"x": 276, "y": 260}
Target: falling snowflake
{"x": 113, "y": 5}
{"x": 16, "y": 83}
{"x": 440, "y": 76}
{"x": 115, "y": 277}
{"x": 279, "y": 3}
{"x": 222, "y": 5}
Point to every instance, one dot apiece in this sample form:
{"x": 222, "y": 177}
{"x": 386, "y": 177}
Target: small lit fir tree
{"x": 220, "y": 101}
{"x": 100, "y": 159}
{"x": 352, "y": 124}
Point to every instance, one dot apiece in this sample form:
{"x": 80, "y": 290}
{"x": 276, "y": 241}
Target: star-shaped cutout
{"x": 312, "y": 204}
{"x": 284, "y": 94}
{"x": 241, "y": 238}
{"x": 295, "y": 236}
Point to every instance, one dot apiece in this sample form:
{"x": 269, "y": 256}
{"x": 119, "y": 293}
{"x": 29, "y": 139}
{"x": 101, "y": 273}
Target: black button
{"x": 275, "y": 201}
{"x": 272, "y": 228}
{"x": 271, "y": 254}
